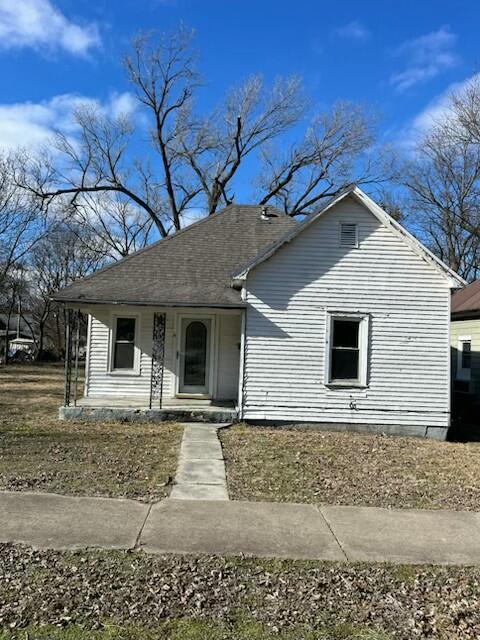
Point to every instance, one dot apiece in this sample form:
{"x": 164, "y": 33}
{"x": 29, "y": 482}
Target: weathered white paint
{"x": 357, "y": 195}
{"x": 102, "y": 382}
{"x": 228, "y": 356}
{"x": 406, "y": 296}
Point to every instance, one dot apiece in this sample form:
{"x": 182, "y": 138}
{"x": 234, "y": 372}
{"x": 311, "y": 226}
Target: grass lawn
{"x": 110, "y": 595}
{"x": 107, "y": 595}
{"x": 301, "y": 465}
{"x": 40, "y": 453}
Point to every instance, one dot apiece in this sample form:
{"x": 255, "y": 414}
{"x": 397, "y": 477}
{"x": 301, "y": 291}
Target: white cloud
{"x": 122, "y": 104}
{"x": 439, "y": 107}
{"x": 435, "y": 110}
{"x": 193, "y": 214}
{"x": 425, "y": 57}
{"x": 353, "y": 30}
{"x": 30, "y": 124}
{"x": 40, "y": 25}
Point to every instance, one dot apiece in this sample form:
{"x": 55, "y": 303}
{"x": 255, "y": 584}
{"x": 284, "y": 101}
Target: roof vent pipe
{"x": 266, "y": 215}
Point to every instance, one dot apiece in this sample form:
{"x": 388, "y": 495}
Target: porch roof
{"x": 193, "y": 267}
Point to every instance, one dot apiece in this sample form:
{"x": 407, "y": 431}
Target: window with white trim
{"x": 348, "y": 234}
{"x": 123, "y": 348}
{"x": 346, "y": 349}
{"x": 464, "y": 358}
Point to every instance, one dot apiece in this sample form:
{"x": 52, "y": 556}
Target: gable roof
{"x": 193, "y": 267}
{"x": 453, "y": 278}
{"x": 466, "y": 301}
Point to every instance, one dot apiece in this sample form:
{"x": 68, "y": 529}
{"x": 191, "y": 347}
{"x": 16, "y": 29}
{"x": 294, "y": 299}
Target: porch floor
{"x": 137, "y": 409}
{"x": 135, "y": 402}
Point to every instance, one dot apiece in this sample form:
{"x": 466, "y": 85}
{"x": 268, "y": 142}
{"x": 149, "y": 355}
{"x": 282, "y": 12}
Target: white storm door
{"x": 194, "y": 356}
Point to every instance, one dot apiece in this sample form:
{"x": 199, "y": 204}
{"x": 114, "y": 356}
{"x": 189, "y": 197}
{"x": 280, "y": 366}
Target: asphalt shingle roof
{"x": 193, "y": 267}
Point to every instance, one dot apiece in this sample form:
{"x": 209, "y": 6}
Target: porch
{"x": 154, "y": 364}
{"x": 136, "y": 409}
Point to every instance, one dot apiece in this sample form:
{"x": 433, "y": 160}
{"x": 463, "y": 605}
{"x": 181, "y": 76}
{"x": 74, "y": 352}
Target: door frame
{"x": 212, "y": 372}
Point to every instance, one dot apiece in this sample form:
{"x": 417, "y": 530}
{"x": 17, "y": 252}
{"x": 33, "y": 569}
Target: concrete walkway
{"x": 201, "y": 469}
{"x": 296, "y": 531}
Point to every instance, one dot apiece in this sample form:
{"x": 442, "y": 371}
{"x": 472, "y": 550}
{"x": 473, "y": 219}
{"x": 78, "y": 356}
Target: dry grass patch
{"x": 40, "y": 453}
{"x": 88, "y": 594}
{"x": 306, "y": 465}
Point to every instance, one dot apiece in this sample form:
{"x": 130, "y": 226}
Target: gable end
{"x": 453, "y": 279}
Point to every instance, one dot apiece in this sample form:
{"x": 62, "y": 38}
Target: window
{"x": 347, "y": 342}
{"x": 464, "y": 359}
{"x": 466, "y": 354}
{"x": 124, "y": 344}
{"x": 348, "y": 234}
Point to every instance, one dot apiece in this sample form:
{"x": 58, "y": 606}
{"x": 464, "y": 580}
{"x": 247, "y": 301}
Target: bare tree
{"x": 21, "y": 224}
{"x": 194, "y": 160}
{"x": 13, "y": 291}
{"x": 443, "y": 182}
{"x": 394, "y": 203}
{"x": 94, "y": 162}
{"x": 251, "y": 116}
{"x": 164, "y": 78}
{"x": 334, "y": 154}
{"x": 56, "y": 261}
{"x": 117, "y": 224}
{"x": 464, "y": 110}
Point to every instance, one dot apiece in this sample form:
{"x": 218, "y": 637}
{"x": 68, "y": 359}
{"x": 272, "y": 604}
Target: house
{"x": 19, "y": 334}
{"x": 343, "y": 320}
{"x": 465, "y": 344}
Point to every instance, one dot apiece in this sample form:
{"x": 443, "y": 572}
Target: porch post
{"x": 158, "y": 358}
{"x": 241, "y": 373}
{"x": 76, "y": 349}
{"x": 68, "y": 357}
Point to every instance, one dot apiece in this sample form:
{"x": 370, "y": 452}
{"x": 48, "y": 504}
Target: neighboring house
{"x": 343, "y": 319}
{"x": 18, "y": 326}
{"x": 465, "y": 342}
{"x": 20, "y": 336}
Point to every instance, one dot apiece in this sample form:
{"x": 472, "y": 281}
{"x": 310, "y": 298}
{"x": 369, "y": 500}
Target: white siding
{"x": 100, "y": 382}
{"x": 408, "y": 303}
{"x": 228, "y": 356}
{"x": 469, "y": 328}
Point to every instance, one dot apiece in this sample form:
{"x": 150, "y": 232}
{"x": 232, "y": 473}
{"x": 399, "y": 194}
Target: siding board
{"x": 408, "y": 301}
{"x": 101, "y": 383}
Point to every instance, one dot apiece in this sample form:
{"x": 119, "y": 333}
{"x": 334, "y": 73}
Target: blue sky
{"x": 400, "y": 57}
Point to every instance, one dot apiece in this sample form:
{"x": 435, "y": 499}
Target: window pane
{"x": 466, "y": 355}
{"x": 125, "y": 330}
{"x": 195, "y": 354}
{"x": 345, "y": 333}
{"x": 124, "y": 355}
{"x": 344, "y": 364}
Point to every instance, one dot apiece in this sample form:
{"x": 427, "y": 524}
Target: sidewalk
{"x": 201, "y": 469}
{"x": 296, "y": 531}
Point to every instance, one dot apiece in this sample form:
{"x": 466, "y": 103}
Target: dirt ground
{"x": 308, "y": 465}
{"x": 40, "y": 453}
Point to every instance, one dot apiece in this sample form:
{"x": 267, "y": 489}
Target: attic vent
{"x": 348, "y": 234}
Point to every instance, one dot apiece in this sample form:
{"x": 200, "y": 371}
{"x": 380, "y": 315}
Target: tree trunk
{"x": 7, "y": 328}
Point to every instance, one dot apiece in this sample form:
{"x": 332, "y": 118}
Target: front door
{"x": 195, "y": 356}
